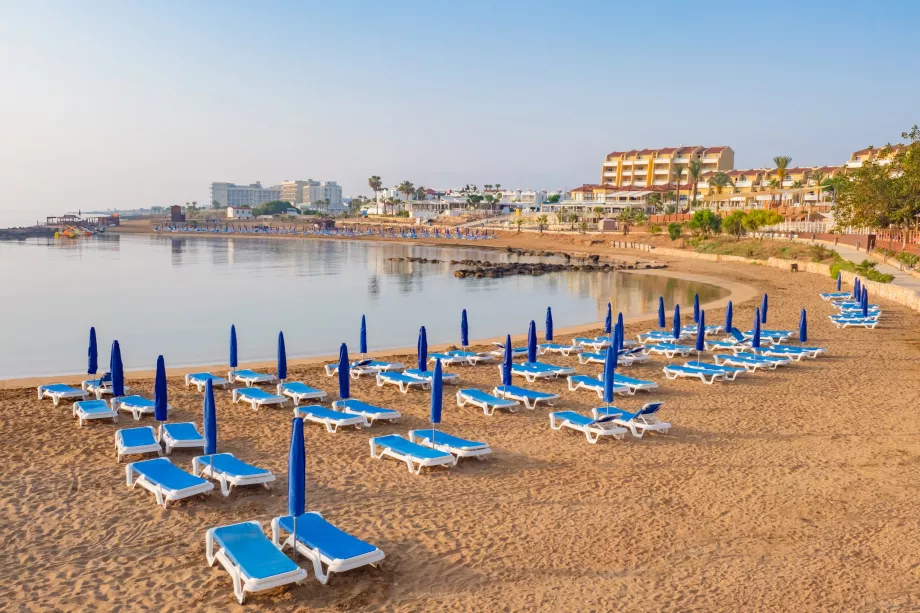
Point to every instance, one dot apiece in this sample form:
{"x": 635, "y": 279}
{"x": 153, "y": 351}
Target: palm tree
{"x": 498, "y": 186}
{"x": 654, "y": 201}
{"x": 519, "y": 222}
{"x": 375, "y": 183}
{"x": 487, "y": 186}
{"x": 678, "y": 170}
{"x": 421, "y": 192}
{"x": 598, "y": 211}
{"x": 817, "y": 177}
{"x": 782, "y": 165}
{"x": 694, "y": 172}
{"x": 542, "y": 220}
{"x": 668, "y": 197}
{"x": 718, "y": 182}
{"x": 407, "y": 188}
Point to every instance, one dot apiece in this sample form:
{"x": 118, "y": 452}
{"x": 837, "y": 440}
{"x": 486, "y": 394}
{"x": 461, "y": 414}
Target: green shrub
{"x": 865, "y": 269}
{"x": 654, "y": 229}
{"x": 674, "y": 230}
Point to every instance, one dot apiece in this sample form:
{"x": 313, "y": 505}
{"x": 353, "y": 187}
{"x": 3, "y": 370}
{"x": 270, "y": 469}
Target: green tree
{"x": 216, "y": 205}
{"x": 654, "y": 229}
{"x": 598, "y": 211}
{"x": 719, "y": 182}
{"x": 375, "y": 183}
{"x": 705, "y": 222}
{"x": 421, "y": 193}
{"x": 761, "y": 218}
{"x": 655, "y": 202}
{"x": 734, "y": 223}
{"x": 473, "y": 200}
{"x": 542, "y": 222}
{"x": 782, "y": 166}
{"x": 407, "y": 188}
{"x": 674, "y": 230}
{"x": 519, "y": 221}
{"x": 273, "y": 207}
{"x": 553, "y": 198}
{"x": 678, "y": 171}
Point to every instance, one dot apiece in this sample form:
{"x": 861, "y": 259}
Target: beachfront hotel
{"x": 231, "y": 194}
{"x": 658, "y": 167}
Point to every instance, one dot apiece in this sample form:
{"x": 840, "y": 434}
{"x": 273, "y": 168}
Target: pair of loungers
{"x": 611, "y": 421}
{"x": 531, "y": 371}
{"x": 256, "y": 564}
{"x": 411, "y": 378}
{"x": 855, "y": 322}
{"x": 366, "y": 367}
{"x": 460, "y": 357}
{"x": 503, "y": 397}
{"x": 706, "y": 372}
{"x": 344, "y": 413}
{"x": 626, "y": 357}
{"x": 144, "y": 439}
{"x": 426, "y": 449}
{"x": 621, "y": 384}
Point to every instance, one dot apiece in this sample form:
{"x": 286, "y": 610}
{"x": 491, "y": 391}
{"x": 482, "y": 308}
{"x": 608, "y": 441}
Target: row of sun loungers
{"x": 611, "y": 421}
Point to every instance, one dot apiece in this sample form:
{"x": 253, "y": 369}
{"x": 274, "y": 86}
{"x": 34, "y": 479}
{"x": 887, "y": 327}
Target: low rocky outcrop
{"x": 489, "y": 270}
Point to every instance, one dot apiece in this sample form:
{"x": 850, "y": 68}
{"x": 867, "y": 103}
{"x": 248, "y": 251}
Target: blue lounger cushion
{"x": 405, "y": 447}
{"x": 314, "y": 410}
{"x": 250, "y": 374}
{"x": 183, "y": 432}
{"x": 254, "y": 393}
{"x": 164, "y": 473}
{"x": 523, "y": 392}
{"x": 449, "y": 440}
{"x": 95, "y": 407}
{"x": 481, "y": 396}
{"x": 226, "y": 463}
{"x": 248, "y": 547}
{"x": 362, "y": 408}
{"x": 137, "y": 437}
{"x": 296, "y": 387}
{"x": 331, "y": 542}
{"x": 61, "y": 388}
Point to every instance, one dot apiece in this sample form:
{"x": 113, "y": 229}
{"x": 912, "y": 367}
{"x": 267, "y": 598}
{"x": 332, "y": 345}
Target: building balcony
{"x": 710, "y": 160}
{"x": 640, "y": 171}
{"x": 742, "y": 183}
{"x": 627, "y": 173}
{"x": 662, "y": 160}
{"x": 854, "y": 164}
{"x": 610, "y": 174}
{"x": 662, "y": 171}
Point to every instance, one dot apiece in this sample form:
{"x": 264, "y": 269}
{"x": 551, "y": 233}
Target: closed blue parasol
{"x": 838, "y": 280}
{"x": 865, "y": 302}
{"x": 661, "y": 319}
{"x": 729, "y": 312}
{"x": 616, "y": 340}
{"x": 297, "y": 474}
{"x": 610, "y": 366}
{"x": 160, "y": 401}
{"x": 700, "y": 335}
{"x": 675, "y": 331}
{"x": 436, "y": 397}
{"x": 344, "y": 378}
{"x": 210, "y": 419}
{"x": 506, "y": 362}
{"x": 117, "y": 370}
{"x": 803, "y": 327}
{"x": 282, "y": 358}
{"x": 233, "y": 361}
{"x": 549, "y": 324}
{"x": 464, "y": 330}
{"x": 92, "y": 354}
{"x": 362, "y": 341}
{"x": 532, "y": 342}
{"x": 696, "y": 308}
{"x": 621, "y": 327}
{"x": 763, "y": 309}
{"x": 608, "y": 320}
{"x": 856, "y": 288}
{"x": 755, "y": 340}
{"x": 422, "y": 349}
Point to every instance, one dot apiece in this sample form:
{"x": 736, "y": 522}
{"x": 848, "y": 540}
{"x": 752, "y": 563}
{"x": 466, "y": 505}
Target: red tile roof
{"x": 715, "y": 149}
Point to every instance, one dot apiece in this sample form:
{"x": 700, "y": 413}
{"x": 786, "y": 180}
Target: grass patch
{"x": 865, "y": 269}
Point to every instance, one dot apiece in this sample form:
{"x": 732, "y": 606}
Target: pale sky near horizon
{"x": 131, "y": 104}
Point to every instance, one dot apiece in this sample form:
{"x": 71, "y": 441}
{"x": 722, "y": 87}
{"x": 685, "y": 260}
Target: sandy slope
{"x": 794, "y": 490}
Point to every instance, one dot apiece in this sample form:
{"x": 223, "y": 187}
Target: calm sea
{"x": 178, "y": 296}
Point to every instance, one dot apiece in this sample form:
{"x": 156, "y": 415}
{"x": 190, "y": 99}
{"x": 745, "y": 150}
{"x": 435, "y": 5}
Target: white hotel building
{"x": 231, "y": 194}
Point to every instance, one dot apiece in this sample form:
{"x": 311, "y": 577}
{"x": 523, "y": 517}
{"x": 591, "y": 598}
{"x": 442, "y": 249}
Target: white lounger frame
{"x": 593, "y": 433}
{"x": 403, "y": 385}
{"x": 121, "y": 452}
{"x": 530, "y": 403}
{"x": 200, "y": 384}
{"x": 162, "y": 495}
{"x": 84, "y": 417}
{"x": 332, "y": 426}
{"x": 675, "y": 374}
{"x": 488, "y": 409}
{"x": 371, "y": 558}
{"x": 227, "y": 481}
{"x": 409, "y": 460}
{"x": 617, "y": 388}
{"x": 250, "y": 381}
{"x": 257, "y": 403}
{"x": 420, "y": 437}
{"x": 242, "y": 583}
{"x": 170, "y": 443}
{"x": 297, "y": 397}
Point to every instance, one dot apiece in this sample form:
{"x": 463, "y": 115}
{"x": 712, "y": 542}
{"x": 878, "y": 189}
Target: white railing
{"x": 801, "y": 227}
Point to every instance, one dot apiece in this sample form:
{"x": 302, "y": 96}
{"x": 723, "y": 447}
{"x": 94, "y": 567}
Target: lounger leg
{"x": 322, "y": 577}
{"x": 224, "y": 486}
{"x": 588, "y": 436}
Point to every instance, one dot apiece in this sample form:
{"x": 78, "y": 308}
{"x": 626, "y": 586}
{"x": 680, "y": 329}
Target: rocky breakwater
{"x": 480, "y": 269}
{"x": 417, "y": 260}
{"x": 13, "y": 234}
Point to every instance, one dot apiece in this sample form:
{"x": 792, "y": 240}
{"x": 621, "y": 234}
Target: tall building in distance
{"x": 657, "y": 167}
{"x": 231, "y": 194}
{"x": 315, "y": 195}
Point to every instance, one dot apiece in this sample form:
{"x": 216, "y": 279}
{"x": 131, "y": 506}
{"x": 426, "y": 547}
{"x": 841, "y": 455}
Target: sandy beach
{"x": 791, "y": 490}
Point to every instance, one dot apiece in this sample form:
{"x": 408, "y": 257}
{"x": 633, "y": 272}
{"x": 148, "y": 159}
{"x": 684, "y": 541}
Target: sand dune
{"x": 791, "y": 490}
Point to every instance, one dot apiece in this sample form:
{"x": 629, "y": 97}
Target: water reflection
{"x": 179, "y": 295}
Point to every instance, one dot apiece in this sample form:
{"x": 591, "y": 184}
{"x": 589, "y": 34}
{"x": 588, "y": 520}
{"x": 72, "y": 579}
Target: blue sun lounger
{"x": 730, "y": 372}
{"x": 835, "y": 295}
{"x": 690, "y": 330}
{"x": 60, "y": 391}
{"x": 530, "y": 398}
{"x": 138, "y": 406}
{"x": 200, "y": 379}
{"x": 428, "y": 375}
{"x": 472, "y": 357}
{"x": 516, "y": 352}
{"x": 231, "y": 472}
{"x": 787, "y": 351}
{"x": 748, "y": 362}
{"x": 855, "y": 322}
{"x": 593, "y": 384}
{"x": 257, "y": 397}
{"x": 370, "y": 412}
{"x": 660, "y": 336}
{"x": 299, "y": 392}
{"x": 333, "y": 420}
{"x": 449, "y": 360}
{"x": 404, "y": 382}
{"x": 644, "y": 420}
{"x": 100, "y": 386}
{"x": 776, "y": 360}
{"x": 164, "y": 480}
{"x": 486, "y": 402}
{"x": 634, "y": 385}
{"x": 85, "y": 410}
{"x": 183, "y": 435}
{"x": 593, "y": 429}
{"x": 532, "y": 371}
{"x": 324, "y": 544}
{"x": 250, "y": 377}
{"x": 559, "y": 348}
{"x": 668, "y": 350}
{"x": 774, "y": 336}
{"x": 811, "y": 352}
{"x": 707, "y": 376}
{"x": 254, "y": 563}
{"x": 365, "y": 367}
{"x": 596, "y": 344}
{"x": 460, "y": 447}
{"x": 131, "y": 441}
{"x": 414, "y": 455}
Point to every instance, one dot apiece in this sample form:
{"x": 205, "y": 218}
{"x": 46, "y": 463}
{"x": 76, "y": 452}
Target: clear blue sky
{"x": 144, "y": 103}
